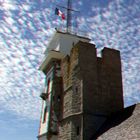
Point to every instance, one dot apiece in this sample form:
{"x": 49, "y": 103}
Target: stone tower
{"x": 92, "y": 90}
{"x": 81, "y": 89}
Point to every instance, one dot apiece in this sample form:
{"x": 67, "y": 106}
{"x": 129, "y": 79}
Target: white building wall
{"x": 63, "y": 42}
{"x": 44, "y": 125}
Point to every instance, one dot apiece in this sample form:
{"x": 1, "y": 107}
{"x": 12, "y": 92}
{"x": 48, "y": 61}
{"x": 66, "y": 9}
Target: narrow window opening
{"x": 48, "y": 86}
{"x": 77, "y": 130}
{"x": 45, "y": 113}
{"x": 76, "y": 89}
{"x": 58, "y": 98}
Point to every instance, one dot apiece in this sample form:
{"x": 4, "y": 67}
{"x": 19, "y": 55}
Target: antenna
{"x": 69, "y": 16}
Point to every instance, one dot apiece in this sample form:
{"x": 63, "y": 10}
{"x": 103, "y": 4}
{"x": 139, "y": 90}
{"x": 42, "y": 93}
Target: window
{"x": 77, "y": 130}
{"x": 58, "y": 98}
{"x": 76, "y": 89}
{"x": 48, "y": 86}
{"x": 45, "y": 113}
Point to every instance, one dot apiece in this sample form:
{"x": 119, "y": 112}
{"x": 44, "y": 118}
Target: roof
{"x": 123, "y": 125}
{"x": 79, "y": 34}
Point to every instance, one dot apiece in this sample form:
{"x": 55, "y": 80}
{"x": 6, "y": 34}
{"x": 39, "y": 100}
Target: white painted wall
{"x": 63, "y": 42}
{"x": 44, "y": 125}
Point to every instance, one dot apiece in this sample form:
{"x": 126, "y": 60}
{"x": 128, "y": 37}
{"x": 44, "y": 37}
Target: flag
{"x": 59, "y": 13}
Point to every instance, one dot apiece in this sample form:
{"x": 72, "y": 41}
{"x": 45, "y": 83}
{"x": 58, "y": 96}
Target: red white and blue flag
{"x": 59, "y": 13}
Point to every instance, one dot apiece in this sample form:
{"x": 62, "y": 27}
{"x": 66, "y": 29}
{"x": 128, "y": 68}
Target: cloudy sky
{"x": 25, "y": 29}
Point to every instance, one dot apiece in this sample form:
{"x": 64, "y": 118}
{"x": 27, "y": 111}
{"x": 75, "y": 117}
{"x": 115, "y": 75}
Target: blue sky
{"x": 25, "y": 29}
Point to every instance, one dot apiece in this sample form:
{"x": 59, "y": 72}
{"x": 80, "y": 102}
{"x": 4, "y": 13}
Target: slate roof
{"x": 123, "y": 125}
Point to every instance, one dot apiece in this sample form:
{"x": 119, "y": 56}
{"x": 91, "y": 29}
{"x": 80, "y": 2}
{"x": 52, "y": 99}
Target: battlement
{"x": 92, "y": 86}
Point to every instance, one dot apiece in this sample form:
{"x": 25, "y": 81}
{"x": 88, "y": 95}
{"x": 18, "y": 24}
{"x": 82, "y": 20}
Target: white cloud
{"x": 24, "y": 37}
{"x": 26, "y": 7}
{"x": 7, "y": 5}
{"x": 118, "y": 27}
{"x": 9, "y": 21}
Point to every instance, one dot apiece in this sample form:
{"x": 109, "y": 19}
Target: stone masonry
{"x": 92, "y": 90}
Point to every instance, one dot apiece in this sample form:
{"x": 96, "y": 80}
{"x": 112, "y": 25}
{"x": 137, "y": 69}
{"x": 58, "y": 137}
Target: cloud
{"x": 117, "y": 26}
{"x": 22, "y": 42}
{"x": 24, "y": 34}
{"x": 7, "y": 5}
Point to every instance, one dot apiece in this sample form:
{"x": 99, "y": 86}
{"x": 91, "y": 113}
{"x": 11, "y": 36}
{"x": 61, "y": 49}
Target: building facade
{"x": 81, "y": 89}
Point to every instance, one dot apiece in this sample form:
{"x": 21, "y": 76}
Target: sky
{"x": 26, "y": 26}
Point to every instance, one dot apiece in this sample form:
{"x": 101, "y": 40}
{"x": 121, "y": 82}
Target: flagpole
{"x": 69, "y": 15}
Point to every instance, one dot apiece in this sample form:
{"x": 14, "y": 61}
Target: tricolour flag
{"x": 59, "y": 13}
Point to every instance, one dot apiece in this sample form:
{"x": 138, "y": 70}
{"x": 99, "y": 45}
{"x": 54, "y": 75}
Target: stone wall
{"x": 57, "y": 96}
{"x": 77, "y": 128}
{"x": 76, "y": 95}
{"x": 65, "y": 130}
{"x": 72, "y": 99}
{"x": 91, "y": 125}
{"x": 71, "y": 84}
{"x": 88, "y": 68}
{"x": 67, "y": 104}
{"x": 65, "y": 70}
{"x": 42, "y": 137}
{"x": 92, "y": 89}
{"x": 111, "y": 81}
{"x": 70, "y": 128}
{"x": 101, "y": 79}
